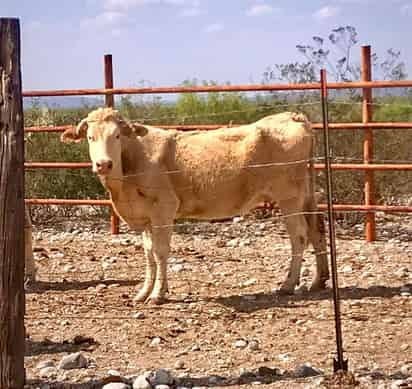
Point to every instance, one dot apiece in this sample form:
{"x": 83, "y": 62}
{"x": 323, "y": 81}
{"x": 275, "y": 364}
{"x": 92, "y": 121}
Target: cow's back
{"x": 222, "y": 171}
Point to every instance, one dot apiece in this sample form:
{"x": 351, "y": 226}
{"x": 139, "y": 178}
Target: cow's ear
{"x": 75, "y": 135}
{"x": 139, "y": 129}
{"x": 129, "y": 129}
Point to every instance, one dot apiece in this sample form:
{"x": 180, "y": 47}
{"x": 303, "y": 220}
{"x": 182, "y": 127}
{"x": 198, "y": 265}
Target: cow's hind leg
{"x": 30, "y": 271}
{"x": 297, "y": 228}
{"x": 316, "y": 235}
{"x": 150, "y": 268}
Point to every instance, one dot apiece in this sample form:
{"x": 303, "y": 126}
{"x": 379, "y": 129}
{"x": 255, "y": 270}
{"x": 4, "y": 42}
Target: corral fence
{"x": 369, "y": 206}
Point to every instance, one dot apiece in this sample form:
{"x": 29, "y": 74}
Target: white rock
{"x": 254, "y": 345}
{"x": 179, "y": 365}
{"x": 139, "y": 315}
{"x": 306, "y": 370}
{"x": 142, "y": 382}
{"x": 161, "y": 377}
{"x": 116, "y": 385}
{"x": 73, "y": 361}
{"x": 43, "y": 364}
{"x": 155, "y": 342}
{"x": 251, "y": 281}
{"x": 47, "y": 372}
{"x": 240, "y": 343}
{"x": 177, "y": 268}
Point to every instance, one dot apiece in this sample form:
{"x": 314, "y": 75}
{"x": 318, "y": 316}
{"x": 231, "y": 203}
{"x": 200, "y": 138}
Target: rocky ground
{"x": 224, "y": 324}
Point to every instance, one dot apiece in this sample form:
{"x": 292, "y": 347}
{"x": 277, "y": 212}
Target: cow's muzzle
{"x": 103, "y": 166}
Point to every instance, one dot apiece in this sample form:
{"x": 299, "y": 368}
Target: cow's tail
{"x": 313, "y": 218}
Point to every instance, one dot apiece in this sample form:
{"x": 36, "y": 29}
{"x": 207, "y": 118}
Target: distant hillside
{"x": 62, "y": 102}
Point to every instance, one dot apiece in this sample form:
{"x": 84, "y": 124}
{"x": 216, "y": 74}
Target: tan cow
{"x": 155, "y": 176}
{"x": 30, "y": 270}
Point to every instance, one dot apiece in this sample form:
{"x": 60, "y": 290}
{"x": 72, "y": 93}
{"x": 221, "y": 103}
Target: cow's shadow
{"x": 250, "y": 303}
{"x": 47, "y": 346}
{"x": 42, "y": 286}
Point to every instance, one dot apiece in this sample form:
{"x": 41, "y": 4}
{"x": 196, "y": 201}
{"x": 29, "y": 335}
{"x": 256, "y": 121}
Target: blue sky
{"x": 167, "y": 41}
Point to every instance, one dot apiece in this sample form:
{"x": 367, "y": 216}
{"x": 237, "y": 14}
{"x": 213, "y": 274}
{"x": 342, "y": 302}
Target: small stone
{"x": 155, "y": 342}
{"x": 404, "y": 347}
{"x": 399, "y": 384}
{"x": 238, "y": 219}
{"x": 214, "y": 380}
{"x": 347, "y": 269}
{"x": 306, "y": 370}
{"x": 250, "y": 282}
{"x": 142, "y": 382}
{"x": 179, "y": 365}
{"x": 162, "y": 386}
{"x": 160, "y": 377}
{"x": 43, "y": 364}
{"x": 240, "y": 344}
{"x": 116, "y": 385}
{"x": 47, "y": 372}
{"x": 253, "y": 345}
{"x": 114, "y": 373}
{"x": 233, "y": 242}
{"x": 406, "y": 370}
{"x": 73, "y": 361}
{"x": 179, "y": 267}
{"x": 139, "y": 315}
{"x": 100, "y": 287}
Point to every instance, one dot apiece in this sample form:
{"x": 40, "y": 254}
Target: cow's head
{"x": 105, "y": 130}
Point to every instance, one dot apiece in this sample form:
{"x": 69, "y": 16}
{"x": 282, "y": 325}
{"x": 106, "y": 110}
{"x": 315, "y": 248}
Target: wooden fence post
{"x": 366, "y": 75}
{"x": 12, "y": 299}
{"x": 109, "y": 102}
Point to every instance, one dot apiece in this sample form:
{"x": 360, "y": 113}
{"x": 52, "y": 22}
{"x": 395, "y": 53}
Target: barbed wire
{"x": 263, "y": 108}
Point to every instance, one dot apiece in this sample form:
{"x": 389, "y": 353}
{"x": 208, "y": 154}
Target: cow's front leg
{"x": 161, "y": 236}
{"x": 150, "y": 268}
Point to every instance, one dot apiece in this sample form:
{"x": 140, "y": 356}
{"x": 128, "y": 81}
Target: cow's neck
{"x": 113, "y": 184}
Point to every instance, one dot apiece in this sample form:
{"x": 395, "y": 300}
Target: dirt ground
{"x": 222, "y": 280}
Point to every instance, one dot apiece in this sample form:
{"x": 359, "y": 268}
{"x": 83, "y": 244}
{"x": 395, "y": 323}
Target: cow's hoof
{"x": 318, "y": 285}
{"x": 29, "y": 279}
{"x": 286, "y": 291}
{"x": 141, "y": 297}
{"x": 156, "y": 300}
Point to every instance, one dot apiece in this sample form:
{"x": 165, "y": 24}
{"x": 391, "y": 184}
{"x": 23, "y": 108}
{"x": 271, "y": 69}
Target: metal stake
{"x": 340, "y": 363}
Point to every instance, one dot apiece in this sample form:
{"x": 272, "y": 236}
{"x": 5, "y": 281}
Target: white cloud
{"x": 260, "y": 9}
{"x": 189, "y": 12}
{"x": 326, "y": 12}
{"x": 126, "y": 5}
{"x": 191, "y": 9}
{"x": 214, "y": 27}
{"x": 406, "y": 9}
{"x": 105, "y": 19}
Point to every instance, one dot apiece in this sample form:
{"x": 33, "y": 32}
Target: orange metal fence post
{"x": 109, "y": 102}
{"x": 366, "y": 75}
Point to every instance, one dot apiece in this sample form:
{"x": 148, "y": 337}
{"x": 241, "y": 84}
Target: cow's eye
{"x": 118, "y": 136}
{"x": 91, "y": 138}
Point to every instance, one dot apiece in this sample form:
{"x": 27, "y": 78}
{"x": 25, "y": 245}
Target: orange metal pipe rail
{"x": 216, "y": 88}
{"x": 320, "y": 166}
{"x": 336, "y": 207}
{"x": 190, "y": 127}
